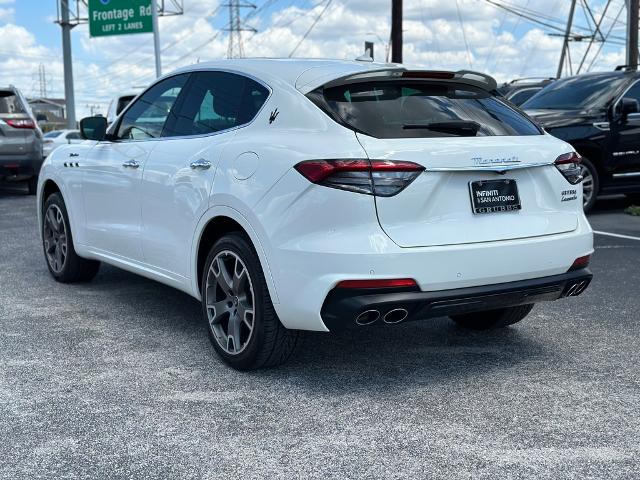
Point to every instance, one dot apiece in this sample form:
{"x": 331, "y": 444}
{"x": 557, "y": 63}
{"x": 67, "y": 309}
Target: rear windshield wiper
{"x": 461, "y": 127}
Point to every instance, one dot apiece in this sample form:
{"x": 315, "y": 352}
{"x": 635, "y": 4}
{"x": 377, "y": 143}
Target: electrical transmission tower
{"x": 42, "y": 81}
{"x": 236, "y": 27}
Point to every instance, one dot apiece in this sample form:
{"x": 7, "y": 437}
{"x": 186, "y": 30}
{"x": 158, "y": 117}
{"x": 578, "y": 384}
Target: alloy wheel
{"x": 587, "y": 185}
{"x": 229, "y": 302}
{"x": 55, "y": 238}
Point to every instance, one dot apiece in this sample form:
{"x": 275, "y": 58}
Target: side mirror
{"x": 93, "y": 128}
{"x": 628, "y": 106}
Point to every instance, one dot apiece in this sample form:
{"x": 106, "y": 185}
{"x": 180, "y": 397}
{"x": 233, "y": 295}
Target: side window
{"x": 73, "y": 136}
{"x": 215, "y": 101}
{"x": 147, "y": 116}
{"x": 634, "y": 92}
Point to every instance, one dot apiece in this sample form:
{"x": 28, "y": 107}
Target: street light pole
{"x": 69, "y": 96}
{"x": 156, "y": 36}
{"x": 396, "y": 31}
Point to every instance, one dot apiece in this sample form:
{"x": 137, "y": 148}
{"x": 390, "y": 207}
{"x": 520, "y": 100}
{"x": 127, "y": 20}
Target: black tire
{"x": 269, "y": 344}
{"x": 491, "y": 319}
{"x": 72, "y": 268}
{"x": 32, "y": 185}
{"x": 593, "y": 171}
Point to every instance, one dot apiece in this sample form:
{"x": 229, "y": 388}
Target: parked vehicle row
{"x": 599, "y": 115}
{"x": 522, "y": 89}
{"x": 293, "y": 195}
{"x": 21, "y": 150}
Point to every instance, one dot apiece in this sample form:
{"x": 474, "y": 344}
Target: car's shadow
{"x": 367, "y": 358}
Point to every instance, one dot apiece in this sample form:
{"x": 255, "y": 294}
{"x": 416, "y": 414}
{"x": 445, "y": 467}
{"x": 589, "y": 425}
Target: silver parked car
{"x": 20, "y": 140}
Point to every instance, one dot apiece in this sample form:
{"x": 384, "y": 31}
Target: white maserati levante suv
{"x": 293, "y": 195}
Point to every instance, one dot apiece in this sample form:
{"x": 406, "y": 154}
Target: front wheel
{"x": 499, "y": 318}
{"x": 242, "y": 323}
{"x": 63, "y": 262}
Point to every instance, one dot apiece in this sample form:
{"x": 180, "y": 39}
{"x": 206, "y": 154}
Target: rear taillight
{"x": 383, "y": 178}
{"x": 379, "y": 283}
{"x": 22, "y": 123}
{"x": 569, "y": 166}
{"x": 580, "y": 262}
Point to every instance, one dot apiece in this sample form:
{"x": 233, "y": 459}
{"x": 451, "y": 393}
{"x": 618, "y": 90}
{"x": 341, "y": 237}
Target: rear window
{"x": 52, "y": 134}
{"x": 400, "y": 109}
{"x": 10, "y": 103}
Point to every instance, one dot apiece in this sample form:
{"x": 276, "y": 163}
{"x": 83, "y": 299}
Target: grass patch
{"x": 633, "y": 210}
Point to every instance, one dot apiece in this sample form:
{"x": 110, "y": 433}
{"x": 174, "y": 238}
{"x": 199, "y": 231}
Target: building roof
{"x": 58, "y": 102}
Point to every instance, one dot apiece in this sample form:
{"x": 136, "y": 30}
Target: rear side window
{"x": 400, "y": 109}
{"x": 213, "y": 102}
{"x": 10, "y": 103}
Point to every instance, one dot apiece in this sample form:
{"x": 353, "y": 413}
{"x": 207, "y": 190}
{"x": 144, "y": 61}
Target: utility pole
{"x": 567, "y": 34}
{"x": 69, "y": 95}
{"x": 633, "y": 7}
{"x": 156, "y": 36}
{"x": 396, "y": 31}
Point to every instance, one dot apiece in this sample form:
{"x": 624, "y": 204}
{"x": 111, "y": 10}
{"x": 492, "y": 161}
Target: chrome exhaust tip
{"x": 368, "y": 317}
{"x": 395, "y": 316}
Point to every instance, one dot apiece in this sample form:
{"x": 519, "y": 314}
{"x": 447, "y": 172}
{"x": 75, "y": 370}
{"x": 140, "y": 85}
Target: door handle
{"x": 131, "y": 164}
{"x": 201, "y": 164}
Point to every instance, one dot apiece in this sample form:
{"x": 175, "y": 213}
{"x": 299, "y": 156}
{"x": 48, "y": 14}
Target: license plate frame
{"x": 499, "y": 196}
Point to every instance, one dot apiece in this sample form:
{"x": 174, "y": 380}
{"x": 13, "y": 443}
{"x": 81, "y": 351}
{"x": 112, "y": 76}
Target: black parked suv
{"x": 599, "y": 114}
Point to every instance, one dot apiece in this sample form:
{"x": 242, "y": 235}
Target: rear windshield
{"x": 576, "y": 93}
{"x": 401, "y": 109}
{"x": 10, "y": 103}
{"x": 52, "y": 134}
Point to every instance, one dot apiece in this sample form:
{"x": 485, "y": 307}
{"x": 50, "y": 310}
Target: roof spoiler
{"x": 626, "y": 68}
{"x": 469, "y": 77}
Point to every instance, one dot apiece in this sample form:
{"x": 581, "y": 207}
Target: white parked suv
{"x": 319, "y": 195}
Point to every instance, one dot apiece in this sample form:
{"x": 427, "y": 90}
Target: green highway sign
{"x": 120, "y": 17}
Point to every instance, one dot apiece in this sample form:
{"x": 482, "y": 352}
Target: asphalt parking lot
{"x": 117, "y": 379}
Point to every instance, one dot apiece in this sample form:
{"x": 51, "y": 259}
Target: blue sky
{"x": 443, "y": 34}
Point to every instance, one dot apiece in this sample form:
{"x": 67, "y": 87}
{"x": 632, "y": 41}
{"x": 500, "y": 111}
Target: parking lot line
{"x": 617, "y": 235}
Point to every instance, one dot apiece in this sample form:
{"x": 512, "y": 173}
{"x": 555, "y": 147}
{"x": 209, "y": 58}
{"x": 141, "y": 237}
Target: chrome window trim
{"x": 202, "y": 135}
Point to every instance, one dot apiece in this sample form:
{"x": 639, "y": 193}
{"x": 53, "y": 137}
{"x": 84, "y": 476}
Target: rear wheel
{"x": 63, "y": 262}
{"x": 500, "y": 318}
{"x": 590, "y": 184}
{"x": 242, "y": 323}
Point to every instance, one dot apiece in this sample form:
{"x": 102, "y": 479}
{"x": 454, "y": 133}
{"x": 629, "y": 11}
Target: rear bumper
{"x": 343, "y": 306}
{"x": 19, "y": 167}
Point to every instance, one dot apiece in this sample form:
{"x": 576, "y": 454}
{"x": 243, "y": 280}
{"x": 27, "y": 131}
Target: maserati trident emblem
{"x": 273, "y": 116}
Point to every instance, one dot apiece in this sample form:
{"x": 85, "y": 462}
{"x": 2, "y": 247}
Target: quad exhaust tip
{"x": 396, "y": 315}
{"x": 368, "y": 317}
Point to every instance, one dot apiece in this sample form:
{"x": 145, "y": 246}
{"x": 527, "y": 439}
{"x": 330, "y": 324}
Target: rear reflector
{"x": 383, "y": 178}
{"x": 569, "y": 166}
{"x": 392, "y": 283}
{"x": 580, "y": 262}
{"x": 23, "y": 123}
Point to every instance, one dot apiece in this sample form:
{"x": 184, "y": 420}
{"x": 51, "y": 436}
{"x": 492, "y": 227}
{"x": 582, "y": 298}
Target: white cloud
{"x": 499, "y": 43}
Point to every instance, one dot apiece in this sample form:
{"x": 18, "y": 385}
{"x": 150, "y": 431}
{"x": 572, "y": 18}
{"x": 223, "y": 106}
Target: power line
{"x": 464, "y": 36}
{"x": 315, "y": 22}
